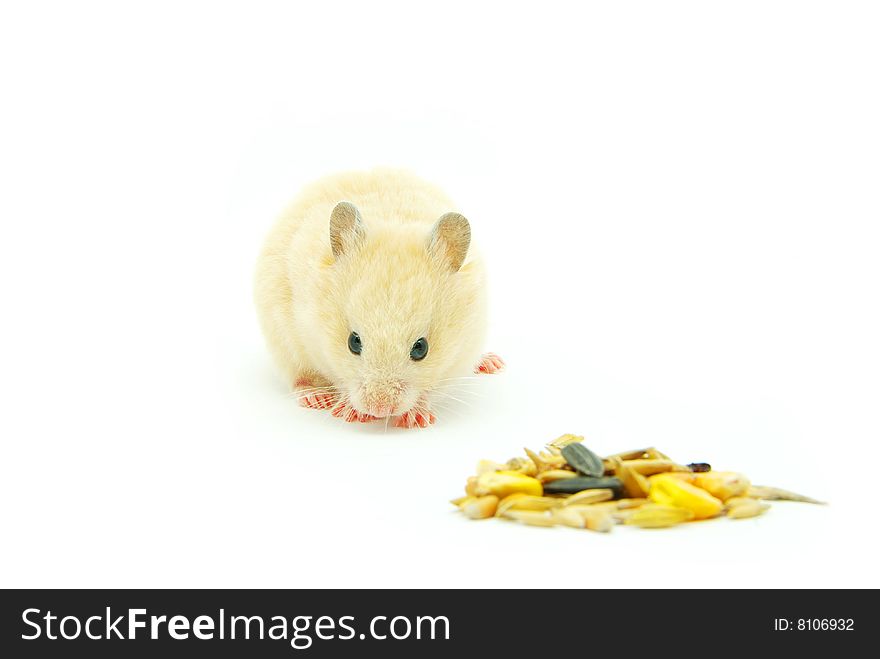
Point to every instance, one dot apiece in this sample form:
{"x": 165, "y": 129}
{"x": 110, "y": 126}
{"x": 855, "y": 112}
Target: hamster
{"x": 372, "y": 298}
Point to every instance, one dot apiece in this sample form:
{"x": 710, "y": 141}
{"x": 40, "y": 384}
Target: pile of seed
{"x": 569, "y": 485}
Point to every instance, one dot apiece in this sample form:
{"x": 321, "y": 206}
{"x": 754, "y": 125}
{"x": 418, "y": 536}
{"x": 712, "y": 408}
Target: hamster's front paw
{"x": 316, "y": 398}
{"x": 489, "y": 363}
{"x": 415, "y": 418}
{"x": 347, "y": 412}
{"x": 317, "y": 401}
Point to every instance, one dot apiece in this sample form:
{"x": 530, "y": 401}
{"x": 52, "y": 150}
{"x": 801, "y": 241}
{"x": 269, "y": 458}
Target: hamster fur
{"x": 380, "y": 254}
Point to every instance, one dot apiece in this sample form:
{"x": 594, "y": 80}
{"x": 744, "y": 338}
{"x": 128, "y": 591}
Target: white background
{"x": 678, "y": 203}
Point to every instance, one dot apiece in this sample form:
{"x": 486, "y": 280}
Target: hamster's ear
{"x": 346, "y": 227}
{"x": 450, "y": 239}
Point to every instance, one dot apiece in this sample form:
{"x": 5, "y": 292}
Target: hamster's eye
{"x": 354, "y": 343}
{"x": 419, "y": 350}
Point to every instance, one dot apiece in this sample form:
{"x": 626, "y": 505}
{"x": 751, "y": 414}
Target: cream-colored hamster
{"x": 372, "y": 297}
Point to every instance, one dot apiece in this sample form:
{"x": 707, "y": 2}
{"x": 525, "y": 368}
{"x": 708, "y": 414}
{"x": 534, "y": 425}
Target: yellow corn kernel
{"x": 668, "y": 490}
{"x": 502, "y": 483}
{"x": 686, "y": 476}
{"x": 722, "y": 484}
{"x": 656, "y": 516}
{"x": 480, "y": 507}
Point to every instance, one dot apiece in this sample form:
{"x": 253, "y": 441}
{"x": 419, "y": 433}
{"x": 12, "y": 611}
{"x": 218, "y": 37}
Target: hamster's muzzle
{"x": 383, "y": 398}
{"x": 381, "y": 411}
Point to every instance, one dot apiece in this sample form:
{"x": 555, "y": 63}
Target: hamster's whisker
{"x": 310, "y": 389}
{"x": 302, "y": 393}
{"x": 463, "y": 386}
{"x": 325, "y": 402}
{"x": 470, "y": 388}
{"x": 309, "y": 394}
{"x": 445, "y": 395}
{"x": 446, "y": 409}
{"x": 442, "y": 390}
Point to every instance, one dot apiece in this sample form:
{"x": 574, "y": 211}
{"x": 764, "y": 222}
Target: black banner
{"x": 318, "y": 623}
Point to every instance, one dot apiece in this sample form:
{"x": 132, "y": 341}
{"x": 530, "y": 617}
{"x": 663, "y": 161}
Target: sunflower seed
{"x": 584, "y": 460}
{"x": 574, "y": 485}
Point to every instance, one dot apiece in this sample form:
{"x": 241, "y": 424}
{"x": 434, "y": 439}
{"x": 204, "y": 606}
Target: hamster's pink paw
{"x": 348, "y": 413}
{"x": 413, "y": 419}
{"x": 489, "y": 363}
{"x": 319, "y": 401}
{"x": 317, "y": 398}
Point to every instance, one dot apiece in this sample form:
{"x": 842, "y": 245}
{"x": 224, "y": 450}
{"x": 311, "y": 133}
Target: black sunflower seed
{"x": 572, "y": 485}
{"x": 583, "y": 460}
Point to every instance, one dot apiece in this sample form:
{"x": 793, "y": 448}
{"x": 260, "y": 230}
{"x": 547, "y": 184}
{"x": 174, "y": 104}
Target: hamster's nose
{"x": 382, "y": 410}
{"x": 382, "y": 397}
